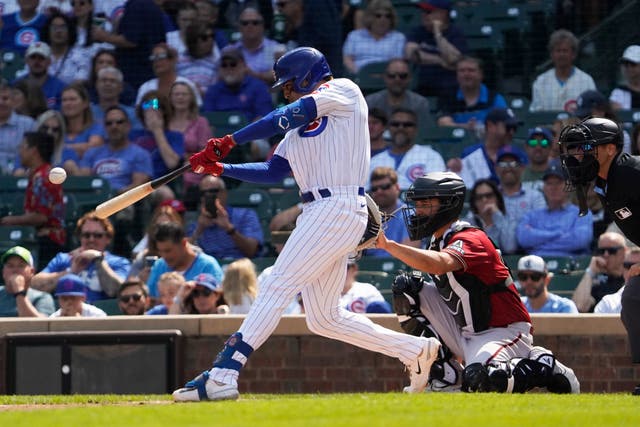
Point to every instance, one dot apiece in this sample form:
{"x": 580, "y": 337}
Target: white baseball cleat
{"x": 420, "y": 368}
{"x": 204, "y": 388}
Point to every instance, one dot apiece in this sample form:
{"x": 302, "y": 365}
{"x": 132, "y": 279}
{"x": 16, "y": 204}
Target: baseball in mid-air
{"x": 57, "y": 175}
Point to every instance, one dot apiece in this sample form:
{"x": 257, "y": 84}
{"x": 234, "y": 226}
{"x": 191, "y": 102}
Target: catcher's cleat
{"x": 204, "y": 388}
{"x": 420, "y": 368}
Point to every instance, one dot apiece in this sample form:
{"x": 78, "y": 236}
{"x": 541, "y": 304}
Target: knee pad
{"x": 475, "y": 378}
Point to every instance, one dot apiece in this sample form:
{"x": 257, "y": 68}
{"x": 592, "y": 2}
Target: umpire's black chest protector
{"x": 466, "y": 296}
{"x": 620, "y": 194}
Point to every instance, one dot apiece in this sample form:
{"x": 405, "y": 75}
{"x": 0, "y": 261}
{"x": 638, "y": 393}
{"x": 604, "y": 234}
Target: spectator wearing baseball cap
{"x": 510, "y": 164}
{"x": 538, "y": 147}
{"x": 626, "y": 96}
{"x": 533, "y": 278}
{"x": 478, "y": 161}
{"x": 202, "y": 295}
{"x": 435, "y": 46}
{"x": 38, "y": 60}
{"x": 71, "y": 293}
{"x": 556, "y": 230}
{"x": 17, "y": 298}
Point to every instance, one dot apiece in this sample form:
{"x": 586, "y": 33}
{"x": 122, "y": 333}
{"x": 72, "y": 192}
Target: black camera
{"x": 209, "y": 198}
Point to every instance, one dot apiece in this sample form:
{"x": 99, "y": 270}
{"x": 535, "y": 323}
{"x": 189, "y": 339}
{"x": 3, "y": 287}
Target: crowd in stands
{"x": 125, "y": 90}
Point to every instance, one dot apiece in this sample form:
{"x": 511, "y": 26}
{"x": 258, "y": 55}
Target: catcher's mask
{"x": 448, "y": 188}
{"x": 579, "y": 153}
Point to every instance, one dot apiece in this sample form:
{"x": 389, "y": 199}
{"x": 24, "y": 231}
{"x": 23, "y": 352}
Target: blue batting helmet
{"x": 305, "y": 66}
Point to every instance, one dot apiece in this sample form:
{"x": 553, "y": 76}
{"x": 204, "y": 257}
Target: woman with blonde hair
{"x": 52, "y": 123}
{"x": 187, "y": 120}
{"x": 378, "y": 41}
{"x": 240, "y": 285}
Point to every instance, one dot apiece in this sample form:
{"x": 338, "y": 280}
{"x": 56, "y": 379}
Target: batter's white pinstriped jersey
{"x": 331, "y": 151}
{"x": 418, "y": 161}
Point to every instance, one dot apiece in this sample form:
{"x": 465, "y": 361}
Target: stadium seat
{"x": 109, "y": 306}
{"x": 370, "y": 77}
{"x": 87, "y": 192}
{"x": 19, "y": 236}
{"x": 380, "y": 279}
{"x": 544, "y": 118}
{"x": 381, "y": 264}
{"x": 11, "y": 64}
{"x": 257, "y": 199}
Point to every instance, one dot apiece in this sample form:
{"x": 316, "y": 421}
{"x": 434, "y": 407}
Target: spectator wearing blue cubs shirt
{"x": 101, "y": 271}
{"x": 236, "y": 90}
{"x": 20, "y": 29}
{"x": 38, "y": 59}
{"x": 534, "y": 279}
{"x": 123, "y": 164}
{"x": 467, "y": 105}
{"x": 177, "y": 254}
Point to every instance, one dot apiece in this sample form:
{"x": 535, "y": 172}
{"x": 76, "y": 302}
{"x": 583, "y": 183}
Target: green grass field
{"x": 352, "y": 410}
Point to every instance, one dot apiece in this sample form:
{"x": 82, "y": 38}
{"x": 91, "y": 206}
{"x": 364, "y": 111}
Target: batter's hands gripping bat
{"x": 116, "y": 204}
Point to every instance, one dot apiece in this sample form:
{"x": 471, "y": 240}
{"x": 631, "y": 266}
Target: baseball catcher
{"x": 472, "y": 306}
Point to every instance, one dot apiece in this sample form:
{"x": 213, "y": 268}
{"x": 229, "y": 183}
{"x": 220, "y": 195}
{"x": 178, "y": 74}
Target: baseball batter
{"x": 326, "y": 146}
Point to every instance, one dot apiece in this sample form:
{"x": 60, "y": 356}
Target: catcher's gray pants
{"x": 630, "y": 315}
{"x": 494, "y": 344}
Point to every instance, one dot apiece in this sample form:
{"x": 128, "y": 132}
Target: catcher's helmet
{"x": 578, "y": 144}
{"x": 448, "y": 188}
{"x": 305, "y": 66}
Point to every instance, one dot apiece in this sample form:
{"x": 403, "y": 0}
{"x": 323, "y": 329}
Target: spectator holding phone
{"x": 223, "y": 231}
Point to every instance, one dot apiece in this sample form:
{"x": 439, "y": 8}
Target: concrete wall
{"x": 294, "y": 360}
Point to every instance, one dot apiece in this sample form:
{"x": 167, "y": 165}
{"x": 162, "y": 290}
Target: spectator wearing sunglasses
{"x": 164, "y": 61}
{"x": 397, "y": 94}
{"x": 538, "y": 149}
{"x": 236, "y": 89}
{"x": 71, "y": 293}
{"x": 407, "y": 158}
{"x": 626, "y": 96}
{"x": 166, "y": 147}
{"x": 556, "y": 230}
{"x": 487, "y": 211}
{"x": 534, "y": 279}
{"x": 200, "y": 62}
{"x": 133, "y": 298}
{"x": 612, "y": 303}
{"x": 518, "y": 200}
{"x": 259, "y": 52}
{"x": 385, "y": 191}
{"x": 101, "y": 271}
{"x": 605, "y": 274}
{"x": 378, "y": 41}
{"x": 467, "y": 105}
{"x": 202, "y": 295}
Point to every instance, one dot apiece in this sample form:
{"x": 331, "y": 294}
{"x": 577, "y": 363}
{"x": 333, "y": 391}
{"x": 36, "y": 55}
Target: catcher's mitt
{"x": 374, "y": 225}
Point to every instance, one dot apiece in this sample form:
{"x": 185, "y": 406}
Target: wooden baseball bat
{"x": 116, "y": 204}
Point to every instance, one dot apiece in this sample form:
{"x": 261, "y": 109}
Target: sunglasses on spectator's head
{"x": 151, "y": 104}
{"x": 126, "y": 298}
{"x": 534, "y": 275}
{"x": 609, "y": 251}
{"x": 544, "y": 143}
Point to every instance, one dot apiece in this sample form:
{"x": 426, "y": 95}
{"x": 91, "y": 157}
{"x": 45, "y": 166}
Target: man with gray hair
{"x": 109, "y": 86}
{"x": 559, "y": 87}
{"x": 534, "y": 278}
